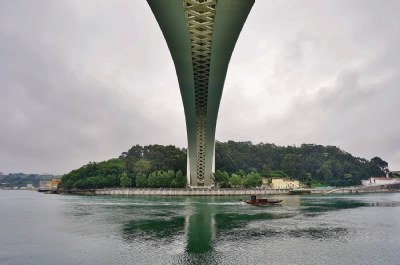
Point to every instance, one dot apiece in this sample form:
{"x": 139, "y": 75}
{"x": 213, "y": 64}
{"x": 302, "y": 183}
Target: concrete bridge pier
{"x": 201, "y": 36}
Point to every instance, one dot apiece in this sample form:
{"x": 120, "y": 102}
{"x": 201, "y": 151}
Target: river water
{"x": 47, "y": 229}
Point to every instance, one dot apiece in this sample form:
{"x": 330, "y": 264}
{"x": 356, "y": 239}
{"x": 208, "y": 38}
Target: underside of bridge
{"x": 201, "y": 36}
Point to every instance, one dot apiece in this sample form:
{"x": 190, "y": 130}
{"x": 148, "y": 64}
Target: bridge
{"x": 201, "y": 36}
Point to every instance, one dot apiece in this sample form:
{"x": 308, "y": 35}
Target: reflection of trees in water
{"x": 236, "y": 220}
{"x": 236, "y": 226}
{"x": 314, "y": 208}
{"x": 204, "y": 225}
{"x": 334, "y": 204}
{"x": 154, "y": 229}
{"x": 320, "y": 233}
{"x": 248, "y": 227}
{"x": 227, "y": 226}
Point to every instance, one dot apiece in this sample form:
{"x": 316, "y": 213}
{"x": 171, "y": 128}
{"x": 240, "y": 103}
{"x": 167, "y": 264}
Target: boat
{"x": 262, "y": 202}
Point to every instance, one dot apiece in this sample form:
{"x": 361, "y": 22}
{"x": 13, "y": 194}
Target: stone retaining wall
{"x": 222, "y": 192}
{"x": 189, "y": 192}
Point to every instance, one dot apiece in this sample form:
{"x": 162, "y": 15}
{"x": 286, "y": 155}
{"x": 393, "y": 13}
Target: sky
{"x": 84, "y": 81}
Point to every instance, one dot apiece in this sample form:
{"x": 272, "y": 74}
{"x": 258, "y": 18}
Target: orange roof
{"x": 55, "y": 181}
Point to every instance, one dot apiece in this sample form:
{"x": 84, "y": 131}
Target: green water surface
{"x": 55, "y": 229}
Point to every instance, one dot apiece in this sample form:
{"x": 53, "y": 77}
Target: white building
{"x": 285, "y": 184}
{"x": 377, "y": 181}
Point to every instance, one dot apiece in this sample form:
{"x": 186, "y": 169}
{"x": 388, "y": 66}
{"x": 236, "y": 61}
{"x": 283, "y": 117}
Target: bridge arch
{"x": 201, "y": 36}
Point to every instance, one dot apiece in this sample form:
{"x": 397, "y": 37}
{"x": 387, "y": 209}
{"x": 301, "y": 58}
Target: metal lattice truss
{"x": 200, "y": 15}
{"x": 201, "y": 36}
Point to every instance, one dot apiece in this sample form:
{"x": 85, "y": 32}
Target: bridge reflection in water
{"x": 200, "y": 227}
{"x": 196, "y": 228}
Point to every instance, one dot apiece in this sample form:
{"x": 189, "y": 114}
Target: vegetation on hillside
{"x": 308, "y": 163}
{"x": 21, "y": 179}
{"x": 154, "y": 166}
{"x": 238, "y": 164}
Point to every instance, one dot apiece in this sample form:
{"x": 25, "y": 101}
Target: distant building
{"x": 43, "y": 186}
{"x": 284, "y": 184}
{"x": 395, "y": 172}
{"x": 51, "y": 185}
{"x": 377, "y": 181}
{"x": 54, "y": 184}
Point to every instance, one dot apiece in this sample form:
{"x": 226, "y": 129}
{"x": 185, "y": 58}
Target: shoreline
{"x": 225, "y": 192}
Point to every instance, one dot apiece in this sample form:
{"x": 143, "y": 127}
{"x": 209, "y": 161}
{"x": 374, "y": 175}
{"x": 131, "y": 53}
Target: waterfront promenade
{"x": 229, "y": 192}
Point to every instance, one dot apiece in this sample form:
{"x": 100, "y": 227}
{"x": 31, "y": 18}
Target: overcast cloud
{"x": 85, "y": 80}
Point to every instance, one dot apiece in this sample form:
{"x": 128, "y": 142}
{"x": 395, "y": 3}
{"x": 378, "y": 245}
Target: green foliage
{"x": 153, "y": 158}
{"x": 236, "y": 180}
{"x": 222, "y": 179}
{"x": 21, "y": 179}
{"x": 148, "y": 166}
{"x": 94, "y": 175}
{"x": 252, "y": 179}
{"x": 277, "y": 174}
{"x": 308, "y": 163}
{"x": 125, "y": 181}
{"x": 378, "y": 166}
{"x": 160, "y": 166}
{"x": 152, "y": 180}
{"x": 315, "y": 184}
{"x": 141, "y": 181}
{"x": 180, "y": 180}
{"x": 111, "y": 173}
{"x": 162, "y": 179}
{"x": 142, "y": 166}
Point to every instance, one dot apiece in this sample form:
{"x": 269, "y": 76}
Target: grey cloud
{"x": 85, "y": 80}
{"x": 334, "y": 72}
{"x": 49, "y": 114}
{"x": 56, "y": 116}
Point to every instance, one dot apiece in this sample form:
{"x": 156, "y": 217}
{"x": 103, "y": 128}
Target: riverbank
{"x": 227, "y": 192}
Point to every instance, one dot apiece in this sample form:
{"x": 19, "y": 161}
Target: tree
{"x": 325, "y": 172}
{"x": 252, "y": 179}
{"x": 125, "y": 181}
{"x": 328, "y": 165}
{"x": 163, "y": 179}
{"x": 222, "y": 179}
{"x": 236, "y": 180}
{"x": 141, "y": 181}
{"x": 136, "y": 152}
{"x": 378, "y": 166}
{"x": 142, "y": 166}
{"x": 180, "y": 180}
{"x": 152, "y": 180}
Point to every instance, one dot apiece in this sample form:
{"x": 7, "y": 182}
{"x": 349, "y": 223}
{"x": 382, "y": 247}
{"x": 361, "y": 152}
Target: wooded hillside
{"x": 165, "y": 166}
